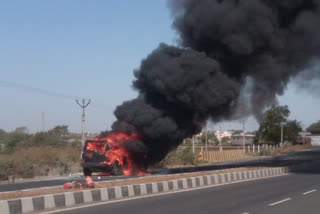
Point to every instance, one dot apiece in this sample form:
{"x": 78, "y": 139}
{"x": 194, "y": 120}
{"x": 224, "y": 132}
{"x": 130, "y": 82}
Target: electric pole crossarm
{"x": 85, "y": 106}
{"x": 83, "y": 103}
{"x": 78, "y": 103}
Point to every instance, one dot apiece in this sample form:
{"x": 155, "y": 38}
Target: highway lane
{"x": 279, "y": 195}
{"x": 273, "y": 161}
{"x": 308, "y": 204}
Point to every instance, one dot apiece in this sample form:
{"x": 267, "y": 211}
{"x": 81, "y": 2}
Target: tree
{"x": 55, "y": 137}
{"x": 187, "y": 142}
{"x": 252, "y": 132}
{"x": 211, "y": 137}
{"x": 225, "y": 140}
{"x": 3, "y": 134}
{"x": 270, "y": 127}
{"x": 15, "y": 139}
{"x": 314, "y": 128}
{"x": 291, "y": 130}
{"x": 60, "y": 131}
{"x": 201, "y": 140}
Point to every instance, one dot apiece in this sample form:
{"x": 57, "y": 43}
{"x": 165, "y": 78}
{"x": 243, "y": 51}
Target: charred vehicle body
{"x": 95, "y": 156}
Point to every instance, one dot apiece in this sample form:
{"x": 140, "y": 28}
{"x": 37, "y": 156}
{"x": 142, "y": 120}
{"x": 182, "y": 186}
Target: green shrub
{"x": 265, "y": 152}
{"x": 40, "y": 161}
{"x": 6, "y": 169}
{"x": 180, "y": 156}
{"x": 187, "y": 157}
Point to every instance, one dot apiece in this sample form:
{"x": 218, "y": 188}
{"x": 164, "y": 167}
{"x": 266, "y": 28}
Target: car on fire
{"x": 94, "y": 158}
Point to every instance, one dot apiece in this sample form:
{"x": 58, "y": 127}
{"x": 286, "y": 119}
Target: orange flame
{"x": 118, "y": 152}
{"x": 97, "y": 147}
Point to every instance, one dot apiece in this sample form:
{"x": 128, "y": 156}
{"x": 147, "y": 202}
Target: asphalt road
{"x": 277, "y": 161}
{"x": 295, "y": 193}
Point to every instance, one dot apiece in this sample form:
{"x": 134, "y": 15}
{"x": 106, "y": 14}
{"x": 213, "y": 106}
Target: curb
{"x": 70, "y": 199}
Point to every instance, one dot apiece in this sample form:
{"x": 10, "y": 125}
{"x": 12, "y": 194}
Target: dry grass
{"x": 42, "y": 161}
{"x": 290, "y": 149}
{"x": 130, "y": 181}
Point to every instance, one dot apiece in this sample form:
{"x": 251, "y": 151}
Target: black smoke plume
{"x": 222, "y": 45}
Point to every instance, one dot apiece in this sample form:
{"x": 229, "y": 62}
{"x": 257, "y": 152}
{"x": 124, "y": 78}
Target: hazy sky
{"x": 87, "y": 49}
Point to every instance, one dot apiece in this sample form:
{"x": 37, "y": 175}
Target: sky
{"x": 89, "y": 49}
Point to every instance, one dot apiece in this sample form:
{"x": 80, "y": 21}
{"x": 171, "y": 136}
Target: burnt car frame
{"x": 93, "y": 157}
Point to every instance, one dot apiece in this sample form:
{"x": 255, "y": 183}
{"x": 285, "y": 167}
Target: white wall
{"x": 315, "y": 140}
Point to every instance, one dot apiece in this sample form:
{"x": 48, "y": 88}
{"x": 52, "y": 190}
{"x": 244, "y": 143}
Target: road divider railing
{"x": 226, "y": 155}
{"x": 71, "y": 199}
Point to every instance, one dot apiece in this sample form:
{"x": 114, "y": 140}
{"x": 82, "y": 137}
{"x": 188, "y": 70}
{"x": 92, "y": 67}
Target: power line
{"x": 31, "y": 89}
{"x": 36, "y": 90}
{"x": 45, "y": 92}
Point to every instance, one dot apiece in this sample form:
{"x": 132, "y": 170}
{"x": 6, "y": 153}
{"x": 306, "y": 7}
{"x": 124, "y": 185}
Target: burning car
{"x": 110, "y": 155}
{"x": 94, "y": 158}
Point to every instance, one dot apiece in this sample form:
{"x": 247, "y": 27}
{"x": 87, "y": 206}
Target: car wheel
{"x": 87, "y": 172}
{"x": 116, "y": 169}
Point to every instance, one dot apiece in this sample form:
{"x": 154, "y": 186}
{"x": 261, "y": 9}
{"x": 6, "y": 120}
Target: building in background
{"x": 237, "y": 139}
{"x": 222, "y": 134}
{"x": 315, "y": 140}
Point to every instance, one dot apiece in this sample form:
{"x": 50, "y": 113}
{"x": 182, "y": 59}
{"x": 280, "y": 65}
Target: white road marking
{"x": 279, "y": 202}
{"x": 311, "y": 191}
{"x": 155, "y": 195}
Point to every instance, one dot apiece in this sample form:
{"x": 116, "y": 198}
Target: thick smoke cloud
{"x": 223, "y": 44}
{"x": 180, "y": 89}
{"x": 268, "y": 40}
{"x": 308, "y": 80}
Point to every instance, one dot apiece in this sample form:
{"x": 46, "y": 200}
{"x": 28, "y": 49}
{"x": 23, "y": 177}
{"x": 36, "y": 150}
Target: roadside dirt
{"x": 290, "y": 149}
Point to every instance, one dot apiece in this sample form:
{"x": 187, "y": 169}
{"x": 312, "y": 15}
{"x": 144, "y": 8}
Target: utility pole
{"x": 83, "y": 106}
{"x": 220, "y": 143}
{"x": 206, "y": 137}
{"x": 281, "y": 133}
{"x": 42, "y": 122}
{"x": 193, "y": 144}
{"x": 243, "y": 135}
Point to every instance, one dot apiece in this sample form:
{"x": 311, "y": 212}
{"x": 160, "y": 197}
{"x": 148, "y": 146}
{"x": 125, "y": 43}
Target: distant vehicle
{"x": 94, "y": 157}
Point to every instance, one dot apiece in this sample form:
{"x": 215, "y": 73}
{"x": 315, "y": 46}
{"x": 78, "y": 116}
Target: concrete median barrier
{"x": 70, "y": 199}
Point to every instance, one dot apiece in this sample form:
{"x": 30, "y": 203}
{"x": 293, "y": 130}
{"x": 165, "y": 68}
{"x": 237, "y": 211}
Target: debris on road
{"x": 76, "y": 185}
